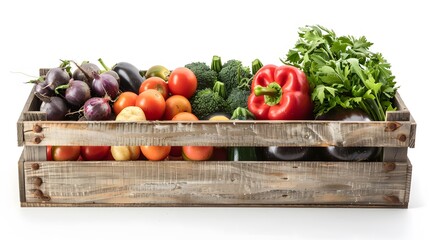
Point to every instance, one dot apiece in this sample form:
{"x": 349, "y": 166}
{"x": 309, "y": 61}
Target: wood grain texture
{"x": 397, "y": 154}
{"x": 226, "y": 133}
{"x": 30, "y": 112}
{"x": 219, "y": 183}
{"x": 34, "y": 153}
{"x": 21, "y": 176}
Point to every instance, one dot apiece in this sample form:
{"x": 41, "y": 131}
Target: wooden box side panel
{"x": 217, "y": 183}
{"x": 226, "y": 133}
{"x": 34, "y": 130}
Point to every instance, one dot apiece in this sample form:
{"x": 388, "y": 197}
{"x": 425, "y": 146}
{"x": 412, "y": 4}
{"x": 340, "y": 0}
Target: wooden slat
{"x": 35, "y": 153}
{"x": 21, "y": 176}
{"x": 357, "y": 205}
{"x": 143, "y": 183}
{"x": 30, "y": 112}
{"x": 223, "y": 133}
{"x": 413, "y": 131}
{"x": 398, "y": 154}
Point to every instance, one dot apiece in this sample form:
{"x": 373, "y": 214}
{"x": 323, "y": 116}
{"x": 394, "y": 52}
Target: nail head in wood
{"x": 38, "y": 182}
{"x": 37, "y": 140}
{"x": 38, "y": 193}
{"x": 37, "y": 128}
{"x": 389, "y": 166}
{"x": 35, "y": 166}
{"x": 391, "y": 199}
{"x": 392, "y": 126}
{"x": 402, "y": 138}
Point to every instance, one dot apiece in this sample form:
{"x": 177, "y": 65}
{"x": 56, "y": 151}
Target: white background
{"x": 37, "y": 34}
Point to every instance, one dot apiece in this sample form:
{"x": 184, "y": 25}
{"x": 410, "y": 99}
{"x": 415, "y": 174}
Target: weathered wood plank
{"x": 21, "y": 176}
{"x": 397, "y": 154}
{"x": 223, "y": 133}
{"x": 47, "y": 204}
{"x": 35, "y": 153}
{"x": 30, "y": 112}
{"x": 219, "y": 183}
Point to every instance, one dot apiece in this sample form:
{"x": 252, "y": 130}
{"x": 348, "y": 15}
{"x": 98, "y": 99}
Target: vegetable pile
{"x": 324, "y": 77}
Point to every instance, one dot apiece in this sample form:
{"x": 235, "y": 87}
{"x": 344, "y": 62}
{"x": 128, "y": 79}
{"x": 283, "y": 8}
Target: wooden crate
{"x": 215, "y": 183}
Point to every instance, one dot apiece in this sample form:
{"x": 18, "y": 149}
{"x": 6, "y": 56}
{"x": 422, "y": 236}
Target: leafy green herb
{"x": 342, "y": 71}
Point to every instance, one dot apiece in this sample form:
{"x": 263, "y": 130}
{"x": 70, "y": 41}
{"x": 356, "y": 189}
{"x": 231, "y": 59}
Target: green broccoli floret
{"x": 233, "y": 73}
{"x": 237, "y": 98}
{"x": 205, "y": 76}
{"x": 208, "y": 101}
{"x": 232, "y": 62}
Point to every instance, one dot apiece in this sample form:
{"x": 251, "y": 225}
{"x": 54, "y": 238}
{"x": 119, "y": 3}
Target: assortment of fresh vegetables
{"x": 325, "y": 77}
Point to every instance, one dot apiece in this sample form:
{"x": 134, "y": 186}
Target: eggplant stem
{"x": 42, "y": 97}
{"x": 104, "y": 65}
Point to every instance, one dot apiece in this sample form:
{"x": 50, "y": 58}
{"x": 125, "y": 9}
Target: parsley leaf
{"x": 342, "y": 71}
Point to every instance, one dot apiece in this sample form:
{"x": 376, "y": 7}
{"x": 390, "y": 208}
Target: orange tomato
{"x": 152, "y": 103}
{"x": 124, "y": 100}
{"x": 197, "y": 153}
{"x": 176, "y": 104}
{"x": 185, "y": 116}
{"x": 155, "y": 153}
{"x": 156, "y": 83}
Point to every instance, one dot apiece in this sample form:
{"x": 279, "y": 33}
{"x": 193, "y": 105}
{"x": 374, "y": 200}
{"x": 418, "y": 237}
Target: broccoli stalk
{"x": 242, "y": 114}
{"x": 256, "y": 65}
{"x": 219, "y": 88}
{"x": 216, "y": 64}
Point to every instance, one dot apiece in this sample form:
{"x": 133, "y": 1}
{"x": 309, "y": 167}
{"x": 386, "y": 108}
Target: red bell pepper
{"x": 280, "y": 93}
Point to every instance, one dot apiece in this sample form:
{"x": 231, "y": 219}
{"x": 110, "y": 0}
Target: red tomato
{"x": 176, "y": 151}
{"x": 110, "y": 156}
{"x": 220, "y": 154}
{"x": 124, "y": 100}
{"x": 155, "y": 153}
{"x": 48, "y": 153}
{"x": 182, "y": 81}
{"x": 65, "y": 153}
{"x": 156, "y": 83}
{"x": 197, "y": 153}
{"x": 94, "y": 153}
{"x": 152, "y": 103}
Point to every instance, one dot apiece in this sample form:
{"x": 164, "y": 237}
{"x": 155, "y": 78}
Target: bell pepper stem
{"x": 272, "y": 93}
{"x": 259, "y": 90}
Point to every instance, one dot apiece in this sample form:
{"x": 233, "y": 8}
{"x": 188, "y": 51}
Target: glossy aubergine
{"x": 333, "y": 153}
{"x": 242, "y": 154}
{"x": 130, "y": 77}
{"x": 275, "y": 153}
